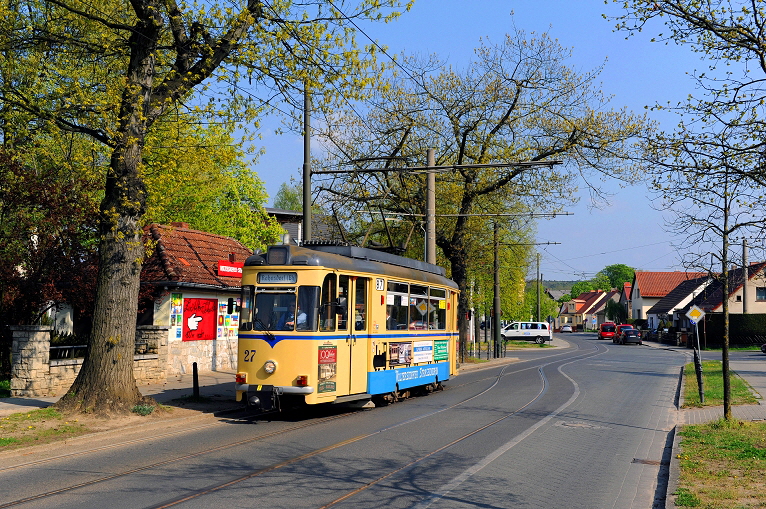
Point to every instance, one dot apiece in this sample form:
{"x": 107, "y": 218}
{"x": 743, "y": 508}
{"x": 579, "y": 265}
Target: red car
{"x": 618, "y": 330}
{"x": 606, "y": 330}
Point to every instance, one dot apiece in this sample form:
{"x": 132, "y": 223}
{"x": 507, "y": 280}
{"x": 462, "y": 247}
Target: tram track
{"x": 316, "y": 422}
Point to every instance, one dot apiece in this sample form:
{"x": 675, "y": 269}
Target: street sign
{"x": 695, "y": 314}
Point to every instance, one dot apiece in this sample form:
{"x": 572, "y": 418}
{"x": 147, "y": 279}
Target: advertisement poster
{"x": 399, "y": 353}
{"x": 227, "y": 323}
{"x": 328, "y": 368}
{"x": 199, "y": 319}
{"x": 441, "y": 350}
{"x": 176, "y": 310}
{"x": 422, "y": 351}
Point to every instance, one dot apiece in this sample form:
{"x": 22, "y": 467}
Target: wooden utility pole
{"x": 745, "y": 276}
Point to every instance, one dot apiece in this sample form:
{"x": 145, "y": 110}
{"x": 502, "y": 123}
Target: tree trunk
{"x": 453, "y": 251}
{"x": 106, "y": 382}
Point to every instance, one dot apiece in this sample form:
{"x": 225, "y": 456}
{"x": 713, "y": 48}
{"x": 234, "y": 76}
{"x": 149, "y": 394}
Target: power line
{"x": 445, "y": 168}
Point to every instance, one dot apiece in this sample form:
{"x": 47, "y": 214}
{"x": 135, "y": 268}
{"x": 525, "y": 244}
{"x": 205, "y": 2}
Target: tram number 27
{"x": 249, "y": 356}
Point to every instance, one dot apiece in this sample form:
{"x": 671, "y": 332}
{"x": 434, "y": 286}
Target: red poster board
{"x": 199, "y": 319}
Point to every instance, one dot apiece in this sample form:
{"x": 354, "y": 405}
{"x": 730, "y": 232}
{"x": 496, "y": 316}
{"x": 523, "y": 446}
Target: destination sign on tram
{"x": 280, "y": 278}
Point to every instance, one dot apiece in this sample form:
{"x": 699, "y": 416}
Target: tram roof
{"x": 352, "y": 258}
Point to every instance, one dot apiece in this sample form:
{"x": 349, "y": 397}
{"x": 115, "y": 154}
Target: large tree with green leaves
{"x": 199, "y": 176}
{"x": 108, "y": 72}
{"x": 517, "y": 105}
{"x": 618, "y": 274}
{"x": 581, "y": 287}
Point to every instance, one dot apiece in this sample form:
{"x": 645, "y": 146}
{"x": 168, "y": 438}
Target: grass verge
{"x": 526, "y": 344}
{"x": 712, "y": 381}
{"x": 722, "y": 462}
{"x": 37, "y": 427}
{"x": 722, "y": 465}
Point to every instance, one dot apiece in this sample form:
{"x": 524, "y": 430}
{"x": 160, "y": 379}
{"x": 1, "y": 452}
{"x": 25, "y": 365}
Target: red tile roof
{"x": 626, "y": 290}
{"x": 659, "y": 284}
{"x": 585, "y": 301}
{"x": 189, "y": 256}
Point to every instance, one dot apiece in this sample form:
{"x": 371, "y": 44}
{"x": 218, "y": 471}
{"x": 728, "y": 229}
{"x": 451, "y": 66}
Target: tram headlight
{"x": 269, "y": 367}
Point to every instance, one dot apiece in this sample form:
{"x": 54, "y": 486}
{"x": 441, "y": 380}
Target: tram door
{"x": 352, "y": 353}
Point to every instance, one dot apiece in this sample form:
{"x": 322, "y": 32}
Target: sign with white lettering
{"x": 230, "y": 269}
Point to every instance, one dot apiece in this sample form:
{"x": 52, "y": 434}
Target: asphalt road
{"x": 586, "y": 426}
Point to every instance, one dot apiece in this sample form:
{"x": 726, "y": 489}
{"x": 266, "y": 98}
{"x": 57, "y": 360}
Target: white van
{"x": 540, "y": 332}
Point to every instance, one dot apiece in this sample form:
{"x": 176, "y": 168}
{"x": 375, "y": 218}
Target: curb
{"x": 674, "y": 470}
{"x": 468, "y": 367}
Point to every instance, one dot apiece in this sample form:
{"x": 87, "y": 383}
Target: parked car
{"x": 606, "y": 331}
{"x": 566, "y": 328}
{"x": 630, "y": 336}
{"x": 618, "y": 330}
{"x": 540, "y": 332}
{"x": 763, "y": 348}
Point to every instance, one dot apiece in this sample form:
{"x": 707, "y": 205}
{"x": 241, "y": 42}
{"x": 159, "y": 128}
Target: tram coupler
{"x": 262, "y": 398}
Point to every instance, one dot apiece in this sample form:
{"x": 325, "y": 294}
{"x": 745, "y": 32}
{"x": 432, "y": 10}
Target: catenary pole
{"x": 539, "y": 282}
{"x": 306, "y": 163}
{"x": 496, "y": 297}
{"x": 431, "y": 210}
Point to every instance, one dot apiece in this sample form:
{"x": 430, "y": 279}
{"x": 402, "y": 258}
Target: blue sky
{"x": 637, "y": 73}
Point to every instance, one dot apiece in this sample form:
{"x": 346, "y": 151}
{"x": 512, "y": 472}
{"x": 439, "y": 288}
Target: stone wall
{"x": 217, "y": 354}
{"x": 33, "y": 374}
{"x": 30, "y": 367}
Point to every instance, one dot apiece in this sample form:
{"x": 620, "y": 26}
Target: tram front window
{"x": 283, "y": 312}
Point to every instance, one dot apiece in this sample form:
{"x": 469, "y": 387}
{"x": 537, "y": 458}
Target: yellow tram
{"x": 332, "y": 323}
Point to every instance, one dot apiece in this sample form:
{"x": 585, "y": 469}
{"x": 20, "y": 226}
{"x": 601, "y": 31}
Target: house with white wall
{"x": 648, "y": 288}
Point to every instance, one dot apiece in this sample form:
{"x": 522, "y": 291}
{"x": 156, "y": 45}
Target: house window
{"x": 760, "y": 293}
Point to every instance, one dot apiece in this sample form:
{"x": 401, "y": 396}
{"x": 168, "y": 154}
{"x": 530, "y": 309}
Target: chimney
{"x": 177, "y": 224}
{"x": 231, "y": 257}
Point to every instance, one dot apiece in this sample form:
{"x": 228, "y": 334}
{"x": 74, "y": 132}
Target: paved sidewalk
{"x": 214, "y": 385}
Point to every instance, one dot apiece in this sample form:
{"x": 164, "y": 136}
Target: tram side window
{"x": 246, "y": 311}
{"x": 343, "y": 289}
{"x": 308, "y": 301}
{"x": 418, "y": 307}
{"x": 437, "y": 316}
{"x": 360, "y": 304}
{"x": 397, "y": 305}
{"x": 326, "y": 315}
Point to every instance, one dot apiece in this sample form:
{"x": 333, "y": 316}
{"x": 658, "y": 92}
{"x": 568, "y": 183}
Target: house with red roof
{"x": 581, "y": 311}
{"x": 599, "y": 311}
{"x": 186, "y": 284}
{"x": 648, "y": 288}
{"x": 747, "y": 295}
{"x": 625, "y": 301}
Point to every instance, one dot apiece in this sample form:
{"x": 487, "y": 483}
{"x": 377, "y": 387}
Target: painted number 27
{"x": 249, "y": 355}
